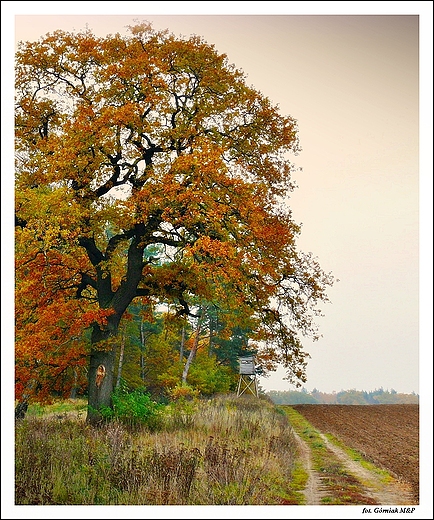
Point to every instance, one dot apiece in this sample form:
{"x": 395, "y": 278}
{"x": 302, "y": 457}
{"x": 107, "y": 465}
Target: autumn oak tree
{"x": 127, "y": 144}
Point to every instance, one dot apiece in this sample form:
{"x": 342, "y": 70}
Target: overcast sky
{"x": 352, "y": 83}
{"x": 351, "y": 79}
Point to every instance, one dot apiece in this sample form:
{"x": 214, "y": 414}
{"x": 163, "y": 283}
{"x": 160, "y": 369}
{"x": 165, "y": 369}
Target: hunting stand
{"x": 247, "y": 381}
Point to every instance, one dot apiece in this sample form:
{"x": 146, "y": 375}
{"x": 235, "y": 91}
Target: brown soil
{"x": 386, "y": 435}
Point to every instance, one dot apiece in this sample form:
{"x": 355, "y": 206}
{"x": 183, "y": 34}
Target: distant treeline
{"x": 343, "y": 397}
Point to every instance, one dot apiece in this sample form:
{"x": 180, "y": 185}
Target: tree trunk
{"x": 211, "y": 335}
{"x": 21, "y": 409}
{"x": 73, "y": 393}
{"x": 142, "y": 352}
{"x": 192, "y": 351}
{"x": 121, "y": 360}
{"x": 181, "y": 348}
{"x": 23, "y": 404}
{"x": 100, "y": 375}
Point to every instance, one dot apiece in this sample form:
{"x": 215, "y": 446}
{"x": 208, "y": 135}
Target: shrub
{"x": 184, "y": 391}
{"x": 133, "y": 408}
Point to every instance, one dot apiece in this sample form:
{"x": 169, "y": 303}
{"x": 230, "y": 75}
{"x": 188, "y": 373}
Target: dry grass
{"x": 224, "y": 451}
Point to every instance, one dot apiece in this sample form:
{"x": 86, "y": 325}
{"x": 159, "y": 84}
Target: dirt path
{"x": 312, "y": 491}
{"x": 384, "y": 493}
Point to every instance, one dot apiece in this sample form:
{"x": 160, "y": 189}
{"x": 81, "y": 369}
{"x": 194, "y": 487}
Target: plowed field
{"x": 386, "y": 435}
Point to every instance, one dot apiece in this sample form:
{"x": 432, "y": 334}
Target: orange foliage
{"x": 149, "y": 142}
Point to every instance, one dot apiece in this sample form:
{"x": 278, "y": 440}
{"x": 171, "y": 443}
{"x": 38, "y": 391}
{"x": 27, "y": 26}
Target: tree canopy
{"x": 147, "y": 169}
